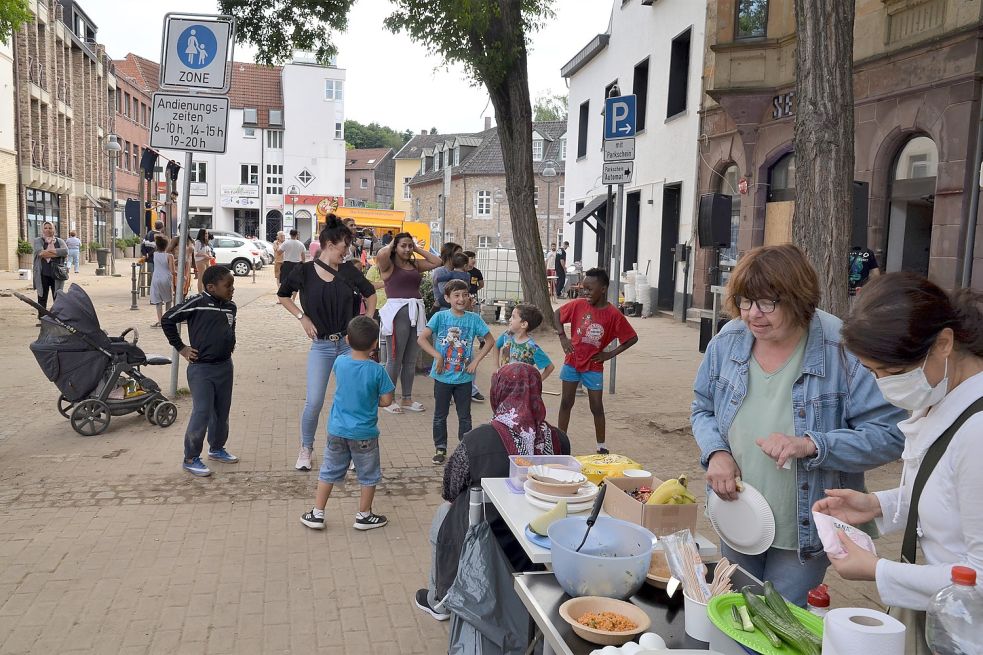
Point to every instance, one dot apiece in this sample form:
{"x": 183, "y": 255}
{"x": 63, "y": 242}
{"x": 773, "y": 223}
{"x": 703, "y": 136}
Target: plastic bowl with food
{"x": 590, "y": 615}
{"x": 612, "y": 563}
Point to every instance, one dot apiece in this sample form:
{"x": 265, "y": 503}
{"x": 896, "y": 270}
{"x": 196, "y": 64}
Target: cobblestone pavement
{"x": 107, "y": 546}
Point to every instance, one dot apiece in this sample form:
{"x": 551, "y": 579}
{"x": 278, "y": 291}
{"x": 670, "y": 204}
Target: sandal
{"x": 415, "y": 407}
{"x": 394, "y": 409}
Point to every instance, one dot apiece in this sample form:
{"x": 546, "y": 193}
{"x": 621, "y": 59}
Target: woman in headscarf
{"x": 519, "y": 427}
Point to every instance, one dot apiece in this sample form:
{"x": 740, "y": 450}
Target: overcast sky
{"x": 391, "y": 80}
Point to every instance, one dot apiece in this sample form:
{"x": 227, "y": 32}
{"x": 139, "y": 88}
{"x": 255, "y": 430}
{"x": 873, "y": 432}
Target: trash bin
{"x": 706, "y": 330}
{"x": 102, "y": 257}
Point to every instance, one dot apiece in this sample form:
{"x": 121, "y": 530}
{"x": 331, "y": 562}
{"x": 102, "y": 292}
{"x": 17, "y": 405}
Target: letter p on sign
{"x": 619, "y": 117}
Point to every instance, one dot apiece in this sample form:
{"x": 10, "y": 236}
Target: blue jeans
{"x": 339, "y": 451}
{"x": 320, "y": 360}
{"x": 73, "y": 259}
{"x": 792, "y": 579}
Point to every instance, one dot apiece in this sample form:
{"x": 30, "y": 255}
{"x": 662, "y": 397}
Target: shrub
{"x": 426, "y": 292}
{"x": 24, "y": 247}
{"x": 94, "y": 245}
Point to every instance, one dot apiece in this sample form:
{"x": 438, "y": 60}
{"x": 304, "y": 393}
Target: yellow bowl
{"x": 574, "y": 608}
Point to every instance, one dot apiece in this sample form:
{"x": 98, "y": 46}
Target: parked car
{"x": 265, "y": 250}
{"x": 240, "y": 255}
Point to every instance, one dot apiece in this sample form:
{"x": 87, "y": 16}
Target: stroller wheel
{"x": 150, "y": 409}
{"x": 165, "y": 414}
{"x": 65, "y": 407}
{"x": 90, "y": 417}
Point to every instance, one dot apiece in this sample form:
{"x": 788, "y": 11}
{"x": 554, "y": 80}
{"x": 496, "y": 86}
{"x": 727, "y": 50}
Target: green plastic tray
{"x": 719, "y": 612}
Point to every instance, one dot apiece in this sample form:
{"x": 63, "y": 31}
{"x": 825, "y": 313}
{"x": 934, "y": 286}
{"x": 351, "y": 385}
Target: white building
{"x": 653, "y": 50}
{"x": 285, "y": 152}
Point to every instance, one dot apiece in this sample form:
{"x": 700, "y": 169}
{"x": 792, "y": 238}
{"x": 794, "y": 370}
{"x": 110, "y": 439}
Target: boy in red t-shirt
{"x": 594, "y": 323}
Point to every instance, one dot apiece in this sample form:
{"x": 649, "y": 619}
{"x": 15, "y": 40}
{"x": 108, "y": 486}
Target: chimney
{"x": 424, "y": 131}
{"x": 487, "y": 122}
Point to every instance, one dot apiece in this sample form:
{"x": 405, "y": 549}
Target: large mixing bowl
{"x": 612, "y": 563}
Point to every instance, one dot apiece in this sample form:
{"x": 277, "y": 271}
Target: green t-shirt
{"x": 767, "y": 408}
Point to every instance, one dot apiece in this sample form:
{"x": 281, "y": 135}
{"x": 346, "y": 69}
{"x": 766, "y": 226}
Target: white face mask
{"x": 911, "y": 390}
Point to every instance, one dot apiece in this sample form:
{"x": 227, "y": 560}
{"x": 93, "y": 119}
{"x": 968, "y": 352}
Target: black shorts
{"x": 285, "y": 269}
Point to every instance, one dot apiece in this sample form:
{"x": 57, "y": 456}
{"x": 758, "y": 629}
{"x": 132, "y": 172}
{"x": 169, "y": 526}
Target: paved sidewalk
{"x": 107, "y": 546}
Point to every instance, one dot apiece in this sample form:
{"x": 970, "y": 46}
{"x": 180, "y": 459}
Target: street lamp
{"x": 499, "y": 198}
{"x": 293, "y": 191}
{"x": 113, "y": 148}
{"x": 548, "y": 173}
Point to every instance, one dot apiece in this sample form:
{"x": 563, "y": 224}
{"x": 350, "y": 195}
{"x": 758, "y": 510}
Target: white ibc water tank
{"x": 642, "y": 293}
{"x": 630, "y": 294}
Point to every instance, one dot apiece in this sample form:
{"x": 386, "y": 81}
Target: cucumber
{"x": 761, "y": 625}
{"x": 779, "y": 605}
{"x": 746, "y": 624}
{"x": 790, "y": 632}
{"x": 736, "y": 618}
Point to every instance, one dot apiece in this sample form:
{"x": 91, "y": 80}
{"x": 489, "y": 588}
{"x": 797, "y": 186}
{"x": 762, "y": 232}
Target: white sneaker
{"x": 304, "y": 459}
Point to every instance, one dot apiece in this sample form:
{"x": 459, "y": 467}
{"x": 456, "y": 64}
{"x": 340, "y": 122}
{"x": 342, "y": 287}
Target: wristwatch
{"x": 299, "y": 315}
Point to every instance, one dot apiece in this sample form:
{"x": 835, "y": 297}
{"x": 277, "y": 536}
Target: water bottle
{"x": 818, "y": 600}
{"x": 954, "y": 625}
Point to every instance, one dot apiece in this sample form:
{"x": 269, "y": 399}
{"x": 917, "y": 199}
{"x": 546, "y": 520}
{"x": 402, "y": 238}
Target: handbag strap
{"x": 336, "y": 274}
{"x": 929, "y": 461}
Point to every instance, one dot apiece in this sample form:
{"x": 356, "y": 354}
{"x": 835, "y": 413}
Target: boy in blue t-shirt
{"x": 454, "y": 362}
{"x": 517, "y": 346}
{"x": 353, "y": 433}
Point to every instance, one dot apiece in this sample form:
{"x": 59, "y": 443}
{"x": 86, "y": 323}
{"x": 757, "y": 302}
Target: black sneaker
{"x": 603, "y": 451}
{"x": 439, "y": 456}
{"x": 369, "y": 522}
{"x": 312, "y": 521}
{"x": 422, "y": 601}
{"x": 477, "y": 397}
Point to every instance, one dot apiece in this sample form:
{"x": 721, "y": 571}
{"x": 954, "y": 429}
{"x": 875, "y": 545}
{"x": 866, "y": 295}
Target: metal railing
{"x": 36, "y": 73}
{"x": 39, "y": 155}
{"x": 63, "y": 93}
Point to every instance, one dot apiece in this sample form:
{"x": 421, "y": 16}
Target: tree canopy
{"x": 374, "y": 135}
{"x": 13, "y": 14}
{"x": 550, "y": 108}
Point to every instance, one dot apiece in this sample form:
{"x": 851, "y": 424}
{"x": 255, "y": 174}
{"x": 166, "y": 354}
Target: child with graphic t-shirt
{"x": 517, "y": 346}
{"x": 454, "y": 361}
{"x": 594, "y": 323}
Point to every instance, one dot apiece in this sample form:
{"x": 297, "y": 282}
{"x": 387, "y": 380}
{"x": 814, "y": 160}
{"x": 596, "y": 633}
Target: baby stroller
{"x": 99, "y": 376}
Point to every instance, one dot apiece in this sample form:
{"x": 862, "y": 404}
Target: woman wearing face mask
{"x": 925, "y": 349}
{"x": 779, "y": 403}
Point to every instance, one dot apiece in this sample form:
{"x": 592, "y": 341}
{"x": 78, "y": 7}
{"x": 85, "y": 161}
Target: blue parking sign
{"x": 619, "y": 117}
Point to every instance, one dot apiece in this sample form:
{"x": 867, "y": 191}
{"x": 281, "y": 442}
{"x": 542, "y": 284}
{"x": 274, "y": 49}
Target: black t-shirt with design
{"x": 862, "y": 262}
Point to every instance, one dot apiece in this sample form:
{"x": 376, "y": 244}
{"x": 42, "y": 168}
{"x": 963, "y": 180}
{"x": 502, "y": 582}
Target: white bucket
{"x": 24, "y": 273}
{"x": 697, "y": 621}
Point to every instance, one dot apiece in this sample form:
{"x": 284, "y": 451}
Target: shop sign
{"x": 783, "y": 105}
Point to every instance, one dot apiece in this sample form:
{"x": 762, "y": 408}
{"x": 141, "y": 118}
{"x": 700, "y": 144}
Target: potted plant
{"x": 92, "y": 248}
{"x": 25, "y": 254}
{"x": 132, "y": 247}
{"x": 121, "y": 245}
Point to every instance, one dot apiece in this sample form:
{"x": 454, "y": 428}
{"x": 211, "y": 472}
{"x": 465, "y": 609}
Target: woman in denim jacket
{"x": 779, "y": 403}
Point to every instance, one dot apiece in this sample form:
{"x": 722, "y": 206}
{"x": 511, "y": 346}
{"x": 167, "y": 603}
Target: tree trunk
{"x": 824, "y": 143}
{"x": 513, "y": 113}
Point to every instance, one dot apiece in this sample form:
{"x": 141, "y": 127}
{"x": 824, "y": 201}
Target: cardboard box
{"x": 659, "y": 519}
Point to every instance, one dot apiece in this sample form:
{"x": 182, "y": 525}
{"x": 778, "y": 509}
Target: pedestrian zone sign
{"x": 195, "y": 52}
{"x": 619, "y": 117}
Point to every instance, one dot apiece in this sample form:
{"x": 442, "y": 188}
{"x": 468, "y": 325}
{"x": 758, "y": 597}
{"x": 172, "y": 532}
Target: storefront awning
{"x": 589, "y": 209}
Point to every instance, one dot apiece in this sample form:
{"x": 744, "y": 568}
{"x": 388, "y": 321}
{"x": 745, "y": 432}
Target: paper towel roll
{"x": 858, "y": 631}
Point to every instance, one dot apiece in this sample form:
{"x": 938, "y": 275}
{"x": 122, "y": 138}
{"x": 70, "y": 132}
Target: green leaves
{"x": 13, "y": 14}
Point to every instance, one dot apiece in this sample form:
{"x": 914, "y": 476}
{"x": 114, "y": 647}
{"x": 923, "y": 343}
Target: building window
{"x": 406, "y": 188}
{"x": 249, "y": 116}
{"x": 274, "y": 139}
{"x": 537, "y": 147}
{"x": 457, "y": 156}
{"x": 752, "y": 19}
{"x": 561, "y": 198}
{"x": 249, "y": 132}
{"x": 334, "y": 90}
{"x": 563, "y": 147}
{"x": 781, "y": 179}
{"x": 348, "y": 183}
{"x": 274, "y": 179}
{"x": 198, "y": 172}
{"x": 305, "y": 177}
{"x": 640, "y": 87}
{"x": 678, "y": 74}
{"x": 482, "y": 204}
{"x": 582, "y": 130}
{"x": 136, "y": 158}
{"x": 276, "y": 117}
{"x": 364, "y": 183}
{"x": 126, "y": 155}
{"x": 249, "y": 174}
{"x": 728, "y": 187}
{"x": 199, "y": 217}
{"x": 918, "y": 159}
{"x": 126, "y": 104}
{"x": 535, "y": 196}
{"x": 143, "y": 113}
{"x": 339, "y": 130}
{"x": 484, "y": 242}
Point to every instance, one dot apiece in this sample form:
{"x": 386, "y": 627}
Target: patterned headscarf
{"x": 520, "y": 415}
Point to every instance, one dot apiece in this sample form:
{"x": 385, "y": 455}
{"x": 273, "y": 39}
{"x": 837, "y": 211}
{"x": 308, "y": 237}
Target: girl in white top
{"x": 926, "y": 350}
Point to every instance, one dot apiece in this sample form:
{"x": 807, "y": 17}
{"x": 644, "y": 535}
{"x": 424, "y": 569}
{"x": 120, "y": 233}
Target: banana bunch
{"x": 672, "y": 492}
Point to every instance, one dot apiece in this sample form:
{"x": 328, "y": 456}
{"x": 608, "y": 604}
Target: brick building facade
{"x": 65, "y": 88}
{"x": 133, "y": 113}
{"x": 370, "y": 174}
{"x": 474, "y": 218}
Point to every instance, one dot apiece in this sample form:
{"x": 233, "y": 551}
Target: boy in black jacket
{"x": 211, "y": 319}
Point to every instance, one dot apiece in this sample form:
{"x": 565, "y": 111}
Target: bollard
{"x": 144, "y": 286}
{"x": 133, "y": 289}
{"x": 254, "y": 273}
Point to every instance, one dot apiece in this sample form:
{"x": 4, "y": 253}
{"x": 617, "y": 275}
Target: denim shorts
{"x": 338, "y": 452}
{"x": 592, "y": 380}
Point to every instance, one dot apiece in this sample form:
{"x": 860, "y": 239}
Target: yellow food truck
{"x": 380, "y": 221}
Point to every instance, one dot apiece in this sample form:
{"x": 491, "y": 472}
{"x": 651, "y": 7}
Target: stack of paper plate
{"x": 581, "y": 501}
{"x": 747, "y": 524}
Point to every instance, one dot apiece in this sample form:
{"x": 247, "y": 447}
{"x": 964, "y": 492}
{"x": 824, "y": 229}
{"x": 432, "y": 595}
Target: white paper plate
{"x": 747, "y": 524}
{"x": 571, "y": 509}
{"x": 586, "y": 493}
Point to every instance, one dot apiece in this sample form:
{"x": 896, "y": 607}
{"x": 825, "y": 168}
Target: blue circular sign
{"x": 197, "y": 46}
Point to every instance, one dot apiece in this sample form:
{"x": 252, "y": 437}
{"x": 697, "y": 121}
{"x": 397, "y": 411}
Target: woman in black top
{"x": 331, "y": 294}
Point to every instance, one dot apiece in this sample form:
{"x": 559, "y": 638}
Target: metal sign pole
{"x": 614, "y": 289}
{"x": 182, "y": 262}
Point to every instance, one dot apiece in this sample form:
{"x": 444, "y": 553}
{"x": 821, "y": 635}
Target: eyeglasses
{"x": 765, "y": 306}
